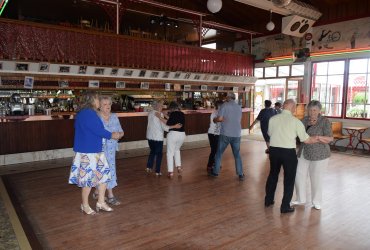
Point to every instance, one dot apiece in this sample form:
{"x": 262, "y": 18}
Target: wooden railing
{"x": 40, "y": 42}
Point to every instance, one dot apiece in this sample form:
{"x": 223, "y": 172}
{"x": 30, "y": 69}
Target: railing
{"x": 38, "y": 42}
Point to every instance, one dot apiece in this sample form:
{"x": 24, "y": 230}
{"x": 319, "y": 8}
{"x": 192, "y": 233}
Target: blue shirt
{"x": 264, "y": 117}
{"x": 232, "y": 114}
{"x": 89, "y": 132}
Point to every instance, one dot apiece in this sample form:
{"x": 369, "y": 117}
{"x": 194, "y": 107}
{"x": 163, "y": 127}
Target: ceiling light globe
{"x": 270, "y": 26}
{"x": 214, "y": 5}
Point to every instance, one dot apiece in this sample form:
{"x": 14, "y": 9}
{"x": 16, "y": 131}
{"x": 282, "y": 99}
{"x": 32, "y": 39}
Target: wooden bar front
{"x": 41, "y": 133}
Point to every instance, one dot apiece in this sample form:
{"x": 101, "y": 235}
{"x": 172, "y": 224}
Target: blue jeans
{"x": 156, "y": 150}
{"x": 223, "y": 142}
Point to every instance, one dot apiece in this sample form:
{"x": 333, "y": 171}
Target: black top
{"x": 176, "y": 117}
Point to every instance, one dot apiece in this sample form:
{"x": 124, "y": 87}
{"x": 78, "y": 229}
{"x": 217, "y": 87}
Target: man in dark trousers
{"x": 264, "y": 117}
{"x": 283, "y": 130}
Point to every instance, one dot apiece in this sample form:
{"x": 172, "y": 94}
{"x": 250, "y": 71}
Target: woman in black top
{"x": 175, "y": 138}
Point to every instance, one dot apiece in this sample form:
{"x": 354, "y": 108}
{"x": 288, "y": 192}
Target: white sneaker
{"x": 297, "y": 203}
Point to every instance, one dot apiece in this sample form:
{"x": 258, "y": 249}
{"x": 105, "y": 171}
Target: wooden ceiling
{"x": 137, "y": 15}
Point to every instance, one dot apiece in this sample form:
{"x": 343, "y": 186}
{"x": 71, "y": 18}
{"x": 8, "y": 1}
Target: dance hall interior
{"x": 202, "y": 124}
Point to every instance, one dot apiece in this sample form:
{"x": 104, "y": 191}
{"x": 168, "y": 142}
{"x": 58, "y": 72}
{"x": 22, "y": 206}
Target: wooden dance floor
{"x": 196, "y": 211}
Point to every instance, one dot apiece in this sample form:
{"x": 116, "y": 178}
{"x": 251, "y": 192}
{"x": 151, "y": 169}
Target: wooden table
{"x": 355, "y": 134}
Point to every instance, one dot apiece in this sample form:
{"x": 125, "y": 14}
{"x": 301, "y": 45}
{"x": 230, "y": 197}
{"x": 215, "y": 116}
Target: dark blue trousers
{"x": 156, "y": 151}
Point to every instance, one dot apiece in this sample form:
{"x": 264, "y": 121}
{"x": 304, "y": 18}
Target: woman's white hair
{"x": 105, "y": 98}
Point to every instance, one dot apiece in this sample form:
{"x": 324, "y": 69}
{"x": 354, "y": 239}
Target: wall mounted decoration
{"x": 28, "y": 82}
{"x": 99, "y": 71}
{"x": 144, "y": 85}
{"x": 21, "y": 66}
{"x": 43, "y": 67}
{"x": 64, "y": 69}
{"x": 120, "y": 85}
{"x": 94, "y": 84}
{"x": 82, "y": 69}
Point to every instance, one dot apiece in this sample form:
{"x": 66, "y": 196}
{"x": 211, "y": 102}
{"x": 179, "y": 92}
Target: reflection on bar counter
{"x": 63, "y": 102}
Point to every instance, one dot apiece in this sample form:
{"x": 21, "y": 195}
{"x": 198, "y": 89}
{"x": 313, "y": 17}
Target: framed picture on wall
{"x": 197, "y": 77}
{"x": 166, "y": 74}
{"x": 142, "y": 73}
{"x": 99, "y": 71}
{"x": 203, "y": 87}
{"x": 167, "y": 86}
{"x": 43, "y": 67}
{"x": 120, "y": 85}
{"x": 235, "y": 89}
{"x": 114, "y": 72}
{"x": 187, "y": 75}
{"x": 128, "y": 72}
{"x": 21, "y": 66}
{"x": 94, "y": 84}
{"x": 177, "y": 75}
{"x": 144, "y": 85}
{"x": 82, "y": 69}
{"x": 215, "y": 78}
{"x": 187, "y": 87}
{"x": 154, "y": 74}
{"x": 64, "y": 69}
{"x": 220, "y": 88}
{"x": 28, "y": 82}
{"x": 63, "y": 84}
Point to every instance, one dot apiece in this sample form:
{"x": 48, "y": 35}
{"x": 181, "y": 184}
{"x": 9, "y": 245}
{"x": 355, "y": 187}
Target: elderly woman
{"x": 175, "y": 138}
{"x": 313, "y": 158}
{"x": 110, "y": 146}
{"x": 90, "y": 167}
{"x": 155, "y": 136}
{"x": 213, "y": 135}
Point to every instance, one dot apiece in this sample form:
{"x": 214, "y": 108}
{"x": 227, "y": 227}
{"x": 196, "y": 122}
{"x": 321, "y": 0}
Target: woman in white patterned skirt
{"x": 90, "y": 167}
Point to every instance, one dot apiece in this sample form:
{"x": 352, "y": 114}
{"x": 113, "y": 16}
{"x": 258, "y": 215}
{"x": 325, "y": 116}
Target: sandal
{"x": 179, "y": 170}
{"x": 113, "y": 201}
{"x": 87, "y": 210}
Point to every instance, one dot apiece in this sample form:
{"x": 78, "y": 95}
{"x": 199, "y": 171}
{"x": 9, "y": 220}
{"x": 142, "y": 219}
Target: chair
{"x": 364, "y": 141}
{"x": 337, "y": 133}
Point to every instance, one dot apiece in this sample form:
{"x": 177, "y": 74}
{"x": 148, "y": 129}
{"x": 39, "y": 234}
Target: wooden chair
{"x": 365, "y": 141}
{"x": 337, "y": 128}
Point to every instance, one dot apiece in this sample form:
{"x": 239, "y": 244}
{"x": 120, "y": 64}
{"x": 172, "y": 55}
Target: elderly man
{"x": 283, "y": 130}
{"x": 230, "y": 115}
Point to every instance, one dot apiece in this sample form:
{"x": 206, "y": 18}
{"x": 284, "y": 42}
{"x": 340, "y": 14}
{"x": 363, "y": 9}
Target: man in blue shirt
{"x": 230, "y": 115}
{"x": 264, "y": 117}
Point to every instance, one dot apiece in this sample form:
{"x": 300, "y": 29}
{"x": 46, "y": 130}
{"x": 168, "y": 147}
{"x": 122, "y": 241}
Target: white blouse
{"x": 214, "y": 128}
{"x": 156, "y": 128}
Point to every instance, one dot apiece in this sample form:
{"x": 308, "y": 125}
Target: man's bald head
{"x": 290, "y": 105}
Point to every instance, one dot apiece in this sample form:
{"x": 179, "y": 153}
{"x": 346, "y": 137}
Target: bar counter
{"x": 42, "y": 132}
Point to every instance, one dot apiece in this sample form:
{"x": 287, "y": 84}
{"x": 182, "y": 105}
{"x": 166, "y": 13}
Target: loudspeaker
{"x": 295, "y": 25}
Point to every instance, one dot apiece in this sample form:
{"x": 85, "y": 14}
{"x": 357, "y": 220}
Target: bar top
{"x": 70, "y": 115}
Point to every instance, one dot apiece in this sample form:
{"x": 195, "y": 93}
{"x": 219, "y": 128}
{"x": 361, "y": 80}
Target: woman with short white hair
{"x": 313, "y": 158}
{"x": 110, "y": 146}
{"x": 155, "y": 136}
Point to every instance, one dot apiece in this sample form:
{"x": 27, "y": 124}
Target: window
{"x": 283, "y": 71}
{"x": 270, "y": 72}
{"x": 297, "y": 70}
{"x": 327, "y": 86}
{"x": 358, "y": 89}
{"x": 258, "y": 72}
